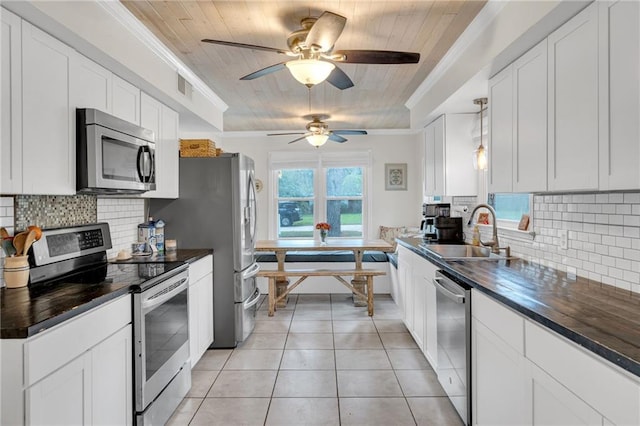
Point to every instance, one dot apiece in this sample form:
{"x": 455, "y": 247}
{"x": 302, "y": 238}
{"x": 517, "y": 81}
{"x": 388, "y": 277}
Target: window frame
{"x": 319, "y": 162}
{"x": 513, "y": 224}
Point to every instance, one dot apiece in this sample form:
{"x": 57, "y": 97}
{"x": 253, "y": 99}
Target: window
{"x": 510, "y": 208}
{"x": 326, "y": 187}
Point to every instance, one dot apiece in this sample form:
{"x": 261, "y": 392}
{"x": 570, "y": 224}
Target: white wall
{"x": 390, "y": 208}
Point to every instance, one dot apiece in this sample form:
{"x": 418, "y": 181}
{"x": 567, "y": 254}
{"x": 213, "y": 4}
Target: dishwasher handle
{"x": 457, "y": 298}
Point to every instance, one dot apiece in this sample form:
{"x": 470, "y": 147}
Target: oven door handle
{"x": 251, "y": 272}
{"x": 256, "y": 298}
{"x": 165, "y": 294}
{"x": 457, "y": 298}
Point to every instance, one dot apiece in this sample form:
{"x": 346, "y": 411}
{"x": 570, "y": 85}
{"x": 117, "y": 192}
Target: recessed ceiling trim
{"x": 122, "y": 14}
{"x": 482, "y": 20}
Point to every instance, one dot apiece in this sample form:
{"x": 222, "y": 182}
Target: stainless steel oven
{"x": 161, "y": 341}
{"x": 453, "y": 312}
{"x": 113, "y": 155}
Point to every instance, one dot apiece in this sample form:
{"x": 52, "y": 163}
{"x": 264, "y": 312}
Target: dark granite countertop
{"x": 601, "y": 318}
{"x": 182, "y": 255}
{"x": 29, "y": 310}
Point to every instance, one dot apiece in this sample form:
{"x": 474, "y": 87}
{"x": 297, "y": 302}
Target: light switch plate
{"x": 564, "y": 239}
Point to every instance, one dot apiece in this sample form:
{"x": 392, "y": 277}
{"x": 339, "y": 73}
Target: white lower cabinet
{"x": 200, "y": 307}
{"x": 498, "y": 366}
{"x": 78, "y": 372}
{"x": 416, "y": 297}
{"x": 524, "y": 373}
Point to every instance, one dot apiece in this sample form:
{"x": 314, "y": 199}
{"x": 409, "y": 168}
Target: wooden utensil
{"x": 3, "y": 233}
{"x": 31, "y": 237}
{"x": 7, "y": 246}
{"x": 18, "y": 242}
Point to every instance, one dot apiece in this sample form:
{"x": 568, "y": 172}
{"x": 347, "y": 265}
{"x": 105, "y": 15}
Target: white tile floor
{"x": 319, "y": 361}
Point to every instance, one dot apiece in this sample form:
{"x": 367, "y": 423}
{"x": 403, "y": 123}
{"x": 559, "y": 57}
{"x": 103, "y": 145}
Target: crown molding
{"x": 142, "y": 33}
{"x": 482, "y": 20}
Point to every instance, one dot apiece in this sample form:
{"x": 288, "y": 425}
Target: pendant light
{"x": 480, "y": 155}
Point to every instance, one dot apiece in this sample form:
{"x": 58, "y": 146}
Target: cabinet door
{"x": 205, "y": 313}
{"x": 11, "y": 91}
{"x": 90, "y": 85}
{"x": 573, "y": 103}
{"x": 429, "y": 161}
{"x": 530, "y": 120}
{"x": 408, "y": 294}
{"x": 431, "y": 317}
{"x": 63, "y": 397}
{"x": 498, "y": 379}
{"x": 460, "y": 178}
{"x": 125, "y": 100}
{"x": 619, "y": 95}
{"x": 438, "y": 155}
{"x": 112, "y": 375}
{"x": 500, "y": 147}
{"x": 48, "y": 142}
{"x": 194, "y": 324}
{"x": 419, "y": 307}
{"x": 553, "y": 404}
{"x": 404, "y": 271}
{"x": 167, "y": 152}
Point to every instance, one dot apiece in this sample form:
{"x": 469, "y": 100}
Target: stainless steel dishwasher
{"x": 453, "y": 306}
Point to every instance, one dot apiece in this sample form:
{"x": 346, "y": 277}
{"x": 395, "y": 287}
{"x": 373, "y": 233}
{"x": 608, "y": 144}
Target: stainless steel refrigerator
{"x": 216, "y": 209}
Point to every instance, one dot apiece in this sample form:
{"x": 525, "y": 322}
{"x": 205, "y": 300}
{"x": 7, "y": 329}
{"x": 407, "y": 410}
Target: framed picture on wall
{"x": 395, "y": 176}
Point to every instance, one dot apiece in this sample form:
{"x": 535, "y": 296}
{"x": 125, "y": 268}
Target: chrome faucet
{"x": 494, "y": 244}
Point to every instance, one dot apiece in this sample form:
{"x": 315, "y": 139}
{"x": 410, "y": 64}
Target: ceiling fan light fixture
{"x": 317, "y": 139}
{"x": 310, "y": 71}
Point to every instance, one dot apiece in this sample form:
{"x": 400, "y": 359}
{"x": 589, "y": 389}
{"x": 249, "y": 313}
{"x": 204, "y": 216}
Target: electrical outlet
{"x": 564, "y": 239}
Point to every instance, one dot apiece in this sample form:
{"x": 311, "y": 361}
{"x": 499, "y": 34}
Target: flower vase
{"x": 323, "y": 236}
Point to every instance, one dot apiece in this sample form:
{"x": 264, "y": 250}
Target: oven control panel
{"x": 68, "y": 243}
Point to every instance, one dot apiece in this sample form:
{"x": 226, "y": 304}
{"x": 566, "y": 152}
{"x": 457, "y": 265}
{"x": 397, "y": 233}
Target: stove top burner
{"x": 139, "y": 276}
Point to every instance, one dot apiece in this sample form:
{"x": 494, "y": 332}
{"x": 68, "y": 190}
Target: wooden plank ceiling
{"x": 277, "y": 101}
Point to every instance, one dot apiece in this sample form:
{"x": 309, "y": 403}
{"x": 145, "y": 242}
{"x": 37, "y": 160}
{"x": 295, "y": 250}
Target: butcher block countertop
{"x": 596, "y": 316}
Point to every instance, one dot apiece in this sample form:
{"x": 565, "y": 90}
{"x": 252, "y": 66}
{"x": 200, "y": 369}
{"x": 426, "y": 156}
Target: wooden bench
{"x": 367, "y": 274}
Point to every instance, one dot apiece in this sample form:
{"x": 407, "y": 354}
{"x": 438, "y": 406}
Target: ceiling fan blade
{"x": 246, "y": 46}
{"x": 350, "y": 132}
{"x": 325, "y": 31}
{"x": 375, "y": 57}
{"x": 264, "y": 71}
{"x": 339, "y": 79}
{"x": 283, "y": 134}
{"x": 336, "y": 138}
{"x": 300, "y": 138}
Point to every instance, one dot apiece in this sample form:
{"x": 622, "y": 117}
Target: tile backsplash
{"x": 123, "y": 216}
{"x": 47, "y": 211}
{"x": 603, "y": 236}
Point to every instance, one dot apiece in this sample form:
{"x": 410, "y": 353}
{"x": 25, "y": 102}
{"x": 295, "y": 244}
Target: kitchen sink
{"x": 462, "y": 251}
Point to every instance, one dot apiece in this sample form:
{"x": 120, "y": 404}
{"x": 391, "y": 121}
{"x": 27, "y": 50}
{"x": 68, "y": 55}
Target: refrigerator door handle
{"x": 251, "y": 302}
{"x": 252, "y": 271}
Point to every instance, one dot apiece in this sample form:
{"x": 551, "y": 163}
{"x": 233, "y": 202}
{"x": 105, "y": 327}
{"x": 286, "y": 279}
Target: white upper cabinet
{"x": 500, "y": 147}
{"x": 530, "y": 120}
{"x": 619, "y": 95}
{"x": 164, "y": 123}
{"x": 125, "y": 100}
{"x": 90, "y": 85}
{"x": 573, "y": 103}
{"x": 448, "y": 153}
{"x": 48, "y": 147}
{"x": 11, "y": 94}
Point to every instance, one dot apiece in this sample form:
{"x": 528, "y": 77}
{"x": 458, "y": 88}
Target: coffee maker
{"x": 449, "y": 230}
{"x": 430, "y": 213}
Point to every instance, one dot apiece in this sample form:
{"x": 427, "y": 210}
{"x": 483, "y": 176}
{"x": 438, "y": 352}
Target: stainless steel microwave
{"x": 113, "y": 156}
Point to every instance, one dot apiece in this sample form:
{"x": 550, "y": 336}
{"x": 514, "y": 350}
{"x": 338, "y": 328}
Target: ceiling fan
{"x": 313, "y": 44}
{"x": 318, "y": 132}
